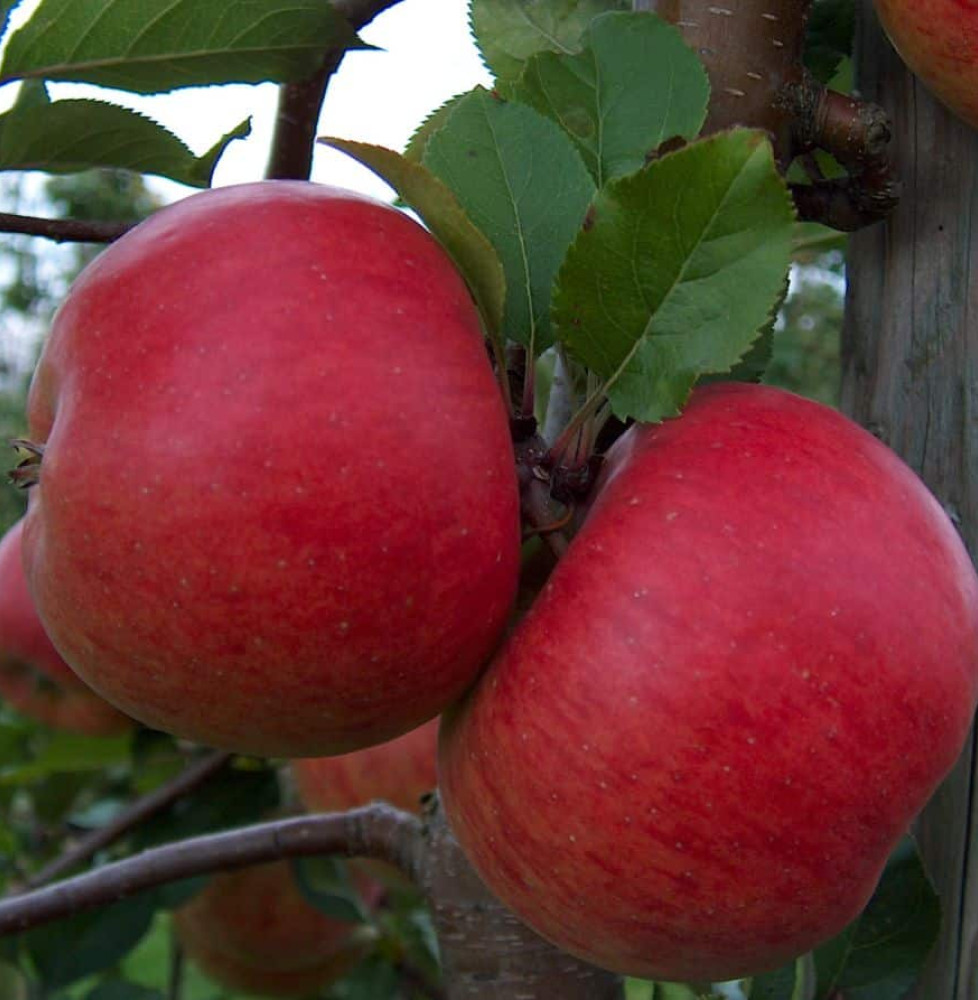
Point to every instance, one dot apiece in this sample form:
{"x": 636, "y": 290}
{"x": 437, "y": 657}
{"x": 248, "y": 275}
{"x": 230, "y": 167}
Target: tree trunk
{"x": 752, "y": 50}
{"x": 487, "y": 954}
{"x": 910, "y": 357}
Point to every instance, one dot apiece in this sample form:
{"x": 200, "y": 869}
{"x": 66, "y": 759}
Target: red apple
{"x": 399, "y": 772}
{"x": 253, "y": 931}
{"x": 938, "y": 40}
{"x": 756, "y": 661}
{"x": 277, "y": 509}
{"x": 33, "y": 677}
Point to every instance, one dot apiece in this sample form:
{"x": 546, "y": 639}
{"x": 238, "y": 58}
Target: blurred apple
{"x": 33, "y": 678}
{"x": 253, "y": 931}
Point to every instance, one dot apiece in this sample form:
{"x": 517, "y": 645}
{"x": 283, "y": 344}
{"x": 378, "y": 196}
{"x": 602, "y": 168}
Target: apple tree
{"x": 742, "y": 654}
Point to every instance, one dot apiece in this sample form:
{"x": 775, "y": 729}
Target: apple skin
{"x": 277, "y": 510}
{"x": 938, "y": 40}
{"x": 33, "y": 677}
{"x": 252, "y": 931}
{"x": 753, "y": 666}
{"x": 399, "y": 772}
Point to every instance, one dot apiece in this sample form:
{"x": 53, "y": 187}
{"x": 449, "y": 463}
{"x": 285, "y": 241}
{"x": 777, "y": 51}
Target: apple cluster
{"x": 276, "y": 510}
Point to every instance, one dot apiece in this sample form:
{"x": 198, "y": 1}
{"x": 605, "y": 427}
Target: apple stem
{"x": 300, "y": 103}
{"x": 28, "y": 470}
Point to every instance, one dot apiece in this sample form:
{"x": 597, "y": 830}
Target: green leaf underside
{"x": 508, "y": 32}
{"x": 520, "y": 180}
{"x": 148, "y": 46}
{"x": 634, "y": 85}
{"x": 75, "y": 947}
{"x": 679, "y": 268}
{"x": 68, "y": 753}
{"x": 882, "y": 952}
{"x": 68, "y": 136}
{"x": 325, "y": 884}
{"x": 786, "y": 983}
{"x": 473, "y": 254}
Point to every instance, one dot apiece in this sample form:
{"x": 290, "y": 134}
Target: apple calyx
{"x": 28, "y": 470}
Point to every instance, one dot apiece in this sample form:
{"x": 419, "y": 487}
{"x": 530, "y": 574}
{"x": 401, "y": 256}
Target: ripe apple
{"x": 754, "y": 664}
{"x": 938, "y": 40}
{"x": 253, "y": 931}
{"x": 400, "y": 772}
{"x": 277, "y": 509}
{"x": 33, "y": 677}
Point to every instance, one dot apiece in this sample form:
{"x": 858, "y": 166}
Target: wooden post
{"x": 910, "y": 374}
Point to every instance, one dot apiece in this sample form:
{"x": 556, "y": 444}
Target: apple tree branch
{"x": 375, "y": 831}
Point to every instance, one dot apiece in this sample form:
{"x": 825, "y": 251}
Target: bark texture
{"x": 487, "y": 954}
{"x": 752, "y": 52}
{"x": 910, "y": 354}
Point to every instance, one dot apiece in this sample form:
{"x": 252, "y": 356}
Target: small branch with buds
{"x": 857, "y": 134}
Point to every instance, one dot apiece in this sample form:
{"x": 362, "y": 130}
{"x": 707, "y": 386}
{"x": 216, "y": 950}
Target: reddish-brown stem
{"x": 541, "y": 513}
{"x": 189, "y": 779}
{"x": 299, "y": 103}
{"x": 64, "y": 230}
{"x": 375, "y": 831}
{"x": 753, "y": 51}
{"x": 857, "y": 134}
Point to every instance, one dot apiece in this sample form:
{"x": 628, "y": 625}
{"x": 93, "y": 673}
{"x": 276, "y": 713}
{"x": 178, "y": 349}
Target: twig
{"x": 141, "y": 810}
{"x": 174, "y": 990}
{"x": 374, "y": 831}
{"x": 64, "y": 230}
{"x": 299, "y": 103}
{"x": 857, "y": 134}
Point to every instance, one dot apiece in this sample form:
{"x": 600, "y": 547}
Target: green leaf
{"x": 811, "y": 240}
{"x": 787, "y": 983}
{"x": 70, "y": 949}
{"x": 634, "y": 85}
{"x": 148, "y": 46}
{"x": 230, "y": 798}
{"x": 677, "y": 271}
{"x": 325, "y": 883}
{"x": 418, "y": 142}
{"x": 880, "y": 954}
{"x": 508, "y": 32}
{"x": 438, "y": 208}
{"x": 373, "y": 979}
{"x": 829, "y": 36}
{"x": 120, "y": 989}
{"x": 69, "y": 753}
{"x": 74, "y": 135}
{"x": 519, "y": 178}
{"x": 753, "y": 366}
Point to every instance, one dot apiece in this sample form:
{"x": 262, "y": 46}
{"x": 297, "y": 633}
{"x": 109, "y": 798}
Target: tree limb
{"x": 299, "y": 104}
{"x": 375, "y": 831}
{"x": 142, "y": 809}
{"x": 64, "y": 230}
{"x": 857, "y": 134}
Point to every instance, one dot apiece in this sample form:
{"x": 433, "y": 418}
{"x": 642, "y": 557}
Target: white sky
{"x": 378, "y": 96}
